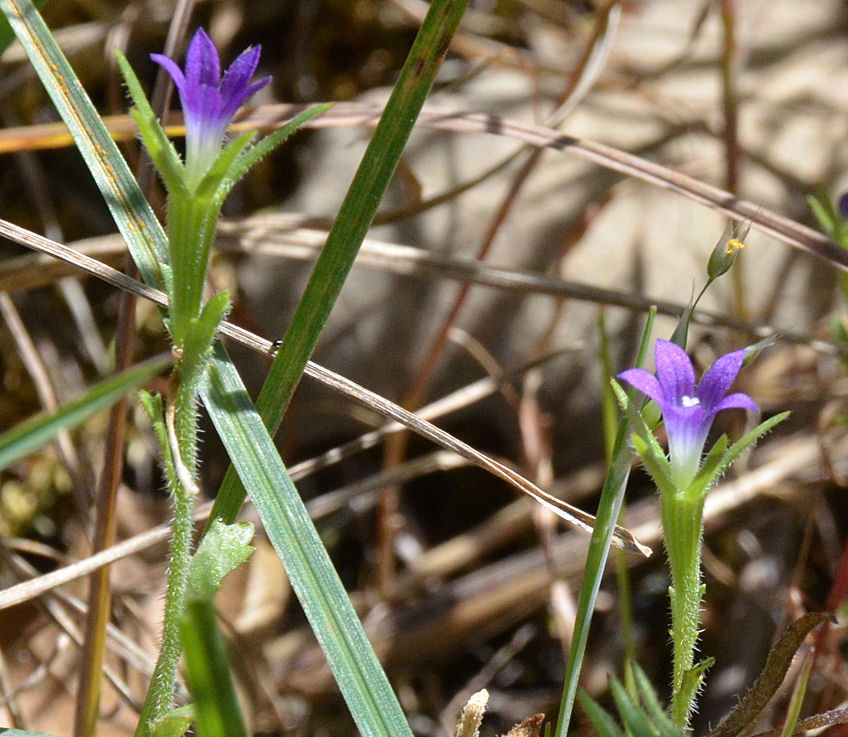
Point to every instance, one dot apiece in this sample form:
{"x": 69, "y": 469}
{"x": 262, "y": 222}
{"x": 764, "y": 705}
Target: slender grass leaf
{"x": 292, "y": 533}
{"x": 217, "y": 711}
{"x": 44, "y": 427}
{"x": 609, "y": 507}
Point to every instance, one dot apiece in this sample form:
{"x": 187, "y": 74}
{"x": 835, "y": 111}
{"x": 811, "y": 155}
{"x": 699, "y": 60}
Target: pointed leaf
{"x": 663, "y": 725}
{"x": 263, "y": 147}
{"x": 635, "y": 720}
{"x": 44, "y": 427}
{"x": 174, "y": 724}
{"x": 223, "y": 549}
{"x": 600, "y": 718}
{"x": 749, "y": 439}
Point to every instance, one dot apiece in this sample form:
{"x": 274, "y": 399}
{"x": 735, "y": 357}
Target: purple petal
{"x": 736, "y": 401}
{"x": 232, "y": 105}
{"x": 674, "y": 371}
{"x": 202, "y": 64}
{"x": 717, "y": 381}
{"x": 240, "y": 72}
{"x": 645, "y": 382}
{"x": 843, "y": 205}
{"x": 172, "y": 69}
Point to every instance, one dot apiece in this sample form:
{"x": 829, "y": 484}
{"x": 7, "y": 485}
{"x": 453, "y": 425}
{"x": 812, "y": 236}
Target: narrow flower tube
{"x": 688, "y": 410}
{"x": 208, "y": 101}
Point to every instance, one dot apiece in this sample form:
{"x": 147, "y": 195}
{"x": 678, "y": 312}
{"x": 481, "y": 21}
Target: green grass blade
{"x": 355, "y": 666}
{"x": 44, "y": 427}
{"x": 609, "y": 507}
{"x": 355, "y": 216}
{"x": 217, "y": 711}
{"x": 7, "y": 35}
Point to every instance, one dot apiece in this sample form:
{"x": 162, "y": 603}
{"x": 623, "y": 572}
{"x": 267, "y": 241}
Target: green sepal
{"x": 710, "y": 469}
{"x": 217, "y": 173}
{"x": 639, "y": 426}
{"x": 749, "y": 439}
{"x": 174, "y": 724}
{"x": 680, "y": 336}
{"x": 197, "y": 347}
{"x": 223, "y": 549}
{"x": 600, "y": 718}
{"x": 159, "y": 146}
{"x": 646, "y": 445}
{"x": 253, "y": 154}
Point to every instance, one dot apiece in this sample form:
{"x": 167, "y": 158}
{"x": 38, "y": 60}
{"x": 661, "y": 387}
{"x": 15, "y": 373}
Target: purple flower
{"x": 688, "y": 411}
{"x": 209, "y": 103}
{"x": 842, "y": 205}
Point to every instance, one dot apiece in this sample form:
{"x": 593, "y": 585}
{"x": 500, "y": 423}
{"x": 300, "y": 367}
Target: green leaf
{"x": 749, "y": 439}
{"x": 635, "y": 720}
{"x": 217, "y": 711}
{"x": 35, "y": 432}
{"x": 600, "y": 718}
{"x": 824, "y": 214}
{"x": 198, "y": 340}
{"x": 9, "y": 732}
{"x": 7, "y": 35}
{"x": 663, "y": 725}
{"x": 692, "y": 680}
{"x": 174, "y": 724}
{"x": 156, "y": 411}
{"x": 352, "y": 222}
{"x": 222, "y": 549}
{"x": 289, "y": 528}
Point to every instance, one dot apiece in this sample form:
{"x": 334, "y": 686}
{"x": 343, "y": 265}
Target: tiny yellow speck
{"x": 734, "y": 245}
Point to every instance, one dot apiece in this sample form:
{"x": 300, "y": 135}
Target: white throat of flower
{"x": 690, "y": 401}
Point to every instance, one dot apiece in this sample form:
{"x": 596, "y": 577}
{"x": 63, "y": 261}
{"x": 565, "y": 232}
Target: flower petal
{"x": 674, "y": 371}
{"x": 645, "y": 382}
{"x": 240, "y": 71}
{"x": 736, "y": 401}
{"x": 202, "y": 64}
{"x": 718, "y": 379}
{"x": 172, "y": 69}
